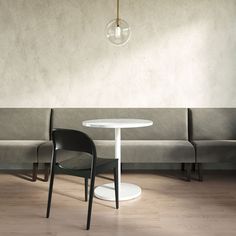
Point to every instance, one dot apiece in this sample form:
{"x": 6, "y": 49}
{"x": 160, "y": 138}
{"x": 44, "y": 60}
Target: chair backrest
{"x": 73, "y": 140}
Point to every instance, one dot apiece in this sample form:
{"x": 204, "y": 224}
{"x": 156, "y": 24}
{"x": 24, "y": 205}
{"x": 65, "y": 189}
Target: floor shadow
{"x": 41, "y": 179}
{"x": 105, "y": 177}
{"x": 181, "y": 175}
{"x": 25, "y": 176}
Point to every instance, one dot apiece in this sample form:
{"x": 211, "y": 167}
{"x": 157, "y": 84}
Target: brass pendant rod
{"x": 118, "y": 13}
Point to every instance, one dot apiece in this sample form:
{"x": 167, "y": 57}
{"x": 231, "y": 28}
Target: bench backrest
{"x": 212, "y": 123}
{"x": 24, "y": 123}
{"x": 168, "y": 123}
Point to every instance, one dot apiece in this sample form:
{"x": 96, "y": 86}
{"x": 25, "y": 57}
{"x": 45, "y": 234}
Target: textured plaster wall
{"x": 53, "y": 53}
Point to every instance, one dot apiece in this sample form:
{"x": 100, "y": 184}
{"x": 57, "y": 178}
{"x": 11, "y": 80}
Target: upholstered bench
{"x": 166, "y": 141}
{"x": 22, "y": 131}
{"x": 213, "y": 134}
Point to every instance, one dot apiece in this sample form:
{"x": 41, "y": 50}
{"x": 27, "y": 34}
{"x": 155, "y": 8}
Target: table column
{"x": 127, "y": 191}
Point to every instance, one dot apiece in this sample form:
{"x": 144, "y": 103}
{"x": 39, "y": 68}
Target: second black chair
{"x": 84, "y": 166}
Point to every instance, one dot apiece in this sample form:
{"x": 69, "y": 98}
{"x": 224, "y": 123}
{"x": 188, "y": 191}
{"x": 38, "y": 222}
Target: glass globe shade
{"x": 118, "y": 34}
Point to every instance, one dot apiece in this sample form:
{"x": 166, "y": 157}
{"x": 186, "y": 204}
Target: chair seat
{"x": 84, "y": 162}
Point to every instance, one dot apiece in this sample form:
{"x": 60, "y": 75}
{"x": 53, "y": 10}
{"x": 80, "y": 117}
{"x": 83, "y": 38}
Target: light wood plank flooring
{"x": 168, "y": 207}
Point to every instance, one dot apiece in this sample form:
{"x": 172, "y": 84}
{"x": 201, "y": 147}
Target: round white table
{"x": 127, "y": 191}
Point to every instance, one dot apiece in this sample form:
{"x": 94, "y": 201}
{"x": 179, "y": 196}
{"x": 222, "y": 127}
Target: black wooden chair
{"x": 86, "y": 167}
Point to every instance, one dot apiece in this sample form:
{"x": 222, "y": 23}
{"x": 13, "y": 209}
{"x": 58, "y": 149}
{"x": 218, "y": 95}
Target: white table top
{"x": 117, "y": 123}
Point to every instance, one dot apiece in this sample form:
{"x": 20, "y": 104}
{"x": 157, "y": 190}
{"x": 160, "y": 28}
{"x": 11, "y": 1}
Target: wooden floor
{"x": 168, "y": 207}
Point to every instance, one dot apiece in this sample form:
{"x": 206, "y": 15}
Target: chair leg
{"x": 46, "y": 171}
{"x": 188, "y": 171}
{"x": 199, "y": 170}
{"x": 86, "y": 189}
{"x": 182, "y": 166}
{"x": 91, "y": 193}
{"x": 35, "y": 172}
{"x": 50, "y": 192}
{"x": 116, "y": 187}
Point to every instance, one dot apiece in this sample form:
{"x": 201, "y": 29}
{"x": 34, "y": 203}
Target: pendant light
{"x": 118, "y": 30}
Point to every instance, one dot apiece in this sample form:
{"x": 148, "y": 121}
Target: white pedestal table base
{"x": 127, "y": 192}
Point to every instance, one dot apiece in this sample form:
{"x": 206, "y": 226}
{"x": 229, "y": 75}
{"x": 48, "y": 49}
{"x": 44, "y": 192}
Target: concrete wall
{"x": 53, "y": 53}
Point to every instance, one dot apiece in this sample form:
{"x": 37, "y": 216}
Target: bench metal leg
{"x": 199, "y": 171}
{"x": 35, "y": 172}
{"x": 46, "y": 171}
{"x": 188, "y": 171}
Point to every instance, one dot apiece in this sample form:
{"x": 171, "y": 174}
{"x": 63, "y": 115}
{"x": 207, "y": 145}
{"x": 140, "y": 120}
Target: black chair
{"x": 86, "y": 167}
